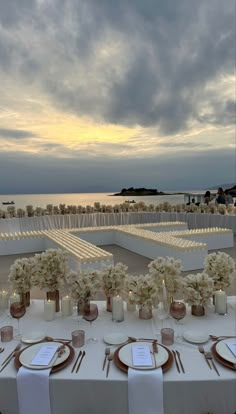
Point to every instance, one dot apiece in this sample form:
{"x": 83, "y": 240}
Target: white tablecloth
{"x": 199, "y": 390}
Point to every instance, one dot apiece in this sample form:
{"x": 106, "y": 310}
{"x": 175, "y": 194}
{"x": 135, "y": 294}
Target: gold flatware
{"x": 210, "y": 357}
{"x": 176, "y": 361}
{"x": 1, "y": 350}
{"x": 155, "y": 351}
{"x": 107, "y": 352}
{"x": 18, "y": 346}
{"x": 218, "y": 338}
{"x": 79, "y": 354}
{"x": 180, "y": 361}
{"x": 81, "y": 359}
{"x": 202, "y": 351}
{"x": 110, "y": 358}
{"x": 133, "y": 339}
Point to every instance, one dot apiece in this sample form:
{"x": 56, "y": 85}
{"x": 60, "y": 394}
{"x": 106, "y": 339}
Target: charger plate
{"x": 123, "y": 367}
{"x": 223, "y": 350}
{"x": 32, "y": 349}
{"x": 220, "y": 359}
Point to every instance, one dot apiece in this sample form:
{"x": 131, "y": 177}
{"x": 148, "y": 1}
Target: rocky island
{"x": 130, "y": 192}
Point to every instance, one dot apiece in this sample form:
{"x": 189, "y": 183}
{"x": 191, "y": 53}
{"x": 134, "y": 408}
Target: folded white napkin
{"x": 33, "y": 391}
{"x": 145, "y": 391}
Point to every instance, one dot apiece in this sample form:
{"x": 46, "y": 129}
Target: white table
{"x": 199, "y": 390}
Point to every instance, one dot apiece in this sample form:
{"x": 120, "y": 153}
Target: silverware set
{"x": 10, "y": 357}
{"x": 78, "y": 361}
{"x": 178, "y": 361}
{"x": 208, "y": 357}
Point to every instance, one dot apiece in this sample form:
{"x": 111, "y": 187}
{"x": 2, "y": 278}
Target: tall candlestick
{"x": 66, "y": 306}
{"x": 49, "y": 310}
{"x": 220, "y": 302}
{"x": 117, "y": 309}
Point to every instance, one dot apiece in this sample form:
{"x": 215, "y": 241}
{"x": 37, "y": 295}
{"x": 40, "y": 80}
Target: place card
{"x": 232, "y": 348}
{"x": 141, "y": 356}
{"x": 45, "y": 355}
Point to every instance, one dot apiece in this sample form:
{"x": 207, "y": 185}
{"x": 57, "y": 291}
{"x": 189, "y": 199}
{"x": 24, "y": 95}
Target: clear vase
{"x": 198, "y": 310}
{"x": 145, "y": 311}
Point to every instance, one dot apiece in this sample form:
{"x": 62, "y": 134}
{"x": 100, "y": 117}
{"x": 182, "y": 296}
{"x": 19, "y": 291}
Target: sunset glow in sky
{"x": 97, "y": 95}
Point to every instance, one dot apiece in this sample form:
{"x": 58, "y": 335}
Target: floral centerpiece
{"x": 141, "y": 290}
{"x": 20, "y": 276}
{"x": 220, "y": 267}
{"x": 84, "y": 285}
{"x": 50, "y": 272}
{"x": 167, "y": 269}
{"x": 198, "y": 289}
{"x": 113, "y": 279}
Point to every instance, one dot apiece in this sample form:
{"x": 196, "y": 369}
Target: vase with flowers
{"x": 198, "y": 289}
{"x": 141, "y": 290}
{"x": 113, "y": 279}
{"x": 20, "y": 277}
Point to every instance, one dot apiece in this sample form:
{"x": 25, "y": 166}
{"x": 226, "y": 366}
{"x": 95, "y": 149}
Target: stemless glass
{"x": 178, "y": 312}
{"x": 90, "y": 315}
{"x": 17, "y": 311}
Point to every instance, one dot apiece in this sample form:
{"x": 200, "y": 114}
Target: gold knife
{"x": 81, "y": 359}
{"x": 176, "y": 362}
{"x": 179, "y": 358}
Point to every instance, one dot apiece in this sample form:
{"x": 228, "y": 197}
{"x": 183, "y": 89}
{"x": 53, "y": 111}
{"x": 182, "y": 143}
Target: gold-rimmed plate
{"x": 220, "y": 359}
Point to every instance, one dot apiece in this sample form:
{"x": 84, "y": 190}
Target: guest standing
{"x": 220, "y": 198}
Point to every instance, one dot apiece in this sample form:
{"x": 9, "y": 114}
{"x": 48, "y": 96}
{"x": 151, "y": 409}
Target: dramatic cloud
{"x": 88, "y": 79}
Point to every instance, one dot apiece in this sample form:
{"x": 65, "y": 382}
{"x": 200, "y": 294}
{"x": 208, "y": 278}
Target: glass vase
{"x": 109, "y": 304}
{"x": 198, "y": 310}
{"x": 145, "y": 311}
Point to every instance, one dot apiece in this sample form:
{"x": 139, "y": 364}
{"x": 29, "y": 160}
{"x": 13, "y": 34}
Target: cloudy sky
{"x": 97, "y": 95}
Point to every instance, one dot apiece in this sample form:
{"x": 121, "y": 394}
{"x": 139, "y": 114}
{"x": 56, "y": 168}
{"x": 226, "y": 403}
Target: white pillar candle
{"x": 164, "y": 293}
{"x": 66, "y": 306}
{"x": 49, "y": 310}
{"x": 15, "y": 297}
{"x": 117, "y": 309}
{"x": 131, "y": 306}
{"x": 4, "y": 297}
{"x": 220, "y": 302}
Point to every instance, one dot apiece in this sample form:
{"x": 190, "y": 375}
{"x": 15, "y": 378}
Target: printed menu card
{"x": 141, "y": 356}
{"x": 45, "y": 355}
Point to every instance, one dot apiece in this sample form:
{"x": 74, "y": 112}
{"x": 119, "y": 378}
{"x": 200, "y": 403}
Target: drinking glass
{"x": 178, "y": 312}
{"x": 17, "y": 311}
{"x": 90, "y": 315}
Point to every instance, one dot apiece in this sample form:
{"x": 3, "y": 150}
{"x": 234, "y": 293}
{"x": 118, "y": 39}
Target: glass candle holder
{"x": 167, "y": 336}
{"x": 6, "y": 333}
{"x": 78, "y": 337}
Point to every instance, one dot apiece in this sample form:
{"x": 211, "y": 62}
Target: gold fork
{"x": 110, "y": 358}
{"x": 202, "y": 351}
{"x": 107, "y": 352}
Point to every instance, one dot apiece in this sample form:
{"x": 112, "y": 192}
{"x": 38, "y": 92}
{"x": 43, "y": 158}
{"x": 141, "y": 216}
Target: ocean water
{"x": 84, "y": 199}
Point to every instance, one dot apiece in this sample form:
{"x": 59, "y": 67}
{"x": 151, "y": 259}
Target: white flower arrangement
{"x": 141, "y": 289}
{"x": 113, "y": 278}
{"x": 169, "y": 270}
{"x": 84, "y": 285}
{"x": 20, "y": 275}
{"x": 220, "y": 267}
{"x": 51, "y": 269}
{"x": 198, "y": 288}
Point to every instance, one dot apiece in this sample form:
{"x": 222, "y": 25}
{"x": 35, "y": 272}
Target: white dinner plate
{"x": 29, "y": 353}
{"x": 223, "y": 350}
{"x": 125, "y": 355}
{"x": 195, "y": 337}
{"x": 116, "y": 338}
{"x": 33, "y": 337}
